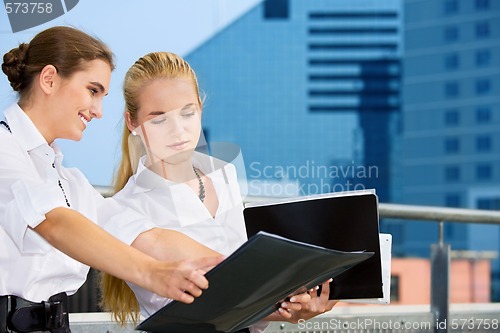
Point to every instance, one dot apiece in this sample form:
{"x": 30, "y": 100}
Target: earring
{"x": 134, "y": 133}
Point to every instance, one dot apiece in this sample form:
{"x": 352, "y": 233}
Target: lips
{"x": 179, "y": 145}
{"x": 84, "y": 119}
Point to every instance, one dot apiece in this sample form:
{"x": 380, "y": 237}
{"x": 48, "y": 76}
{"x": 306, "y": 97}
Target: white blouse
{"x": 176, "y": 206}
{"x": 30, "y": 170}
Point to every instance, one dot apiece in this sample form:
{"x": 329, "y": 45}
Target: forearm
{"x": 171, "y": 245}
{"x": 73, "y": 234}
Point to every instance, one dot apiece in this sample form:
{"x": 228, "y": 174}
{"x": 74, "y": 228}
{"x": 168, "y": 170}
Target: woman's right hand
{"x": 180, "y": 266}
{"x": 182, "y": 280}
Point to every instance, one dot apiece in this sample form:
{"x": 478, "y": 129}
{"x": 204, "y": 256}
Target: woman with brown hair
{"x": 48, "y": 213}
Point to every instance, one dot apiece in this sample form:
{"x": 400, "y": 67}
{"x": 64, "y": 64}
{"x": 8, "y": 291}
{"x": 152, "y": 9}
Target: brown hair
{"x": 68, "y": 49}
{"x": 117, "y": 296}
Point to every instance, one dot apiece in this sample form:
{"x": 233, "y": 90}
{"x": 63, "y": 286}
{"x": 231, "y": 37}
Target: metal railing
{"x": 437, "y": 315}
{"x": 440, "y": 251}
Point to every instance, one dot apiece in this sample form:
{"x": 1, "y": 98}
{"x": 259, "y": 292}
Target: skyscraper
{"x": 310, "y": 90}
{"x": 451, "y": 112}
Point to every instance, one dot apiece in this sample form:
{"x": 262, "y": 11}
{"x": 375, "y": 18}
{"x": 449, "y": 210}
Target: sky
{"x": 131, "y": 29}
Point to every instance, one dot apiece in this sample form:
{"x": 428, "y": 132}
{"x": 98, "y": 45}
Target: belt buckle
{"x": 54, "y": 314}
{"x": 45, "y": 316}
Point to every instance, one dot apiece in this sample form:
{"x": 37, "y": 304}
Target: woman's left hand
{"x": 306, "y": 305}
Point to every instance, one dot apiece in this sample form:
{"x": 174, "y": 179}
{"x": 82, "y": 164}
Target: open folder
{"x": 345, "y": 221}
{"x": 246, "y": 286}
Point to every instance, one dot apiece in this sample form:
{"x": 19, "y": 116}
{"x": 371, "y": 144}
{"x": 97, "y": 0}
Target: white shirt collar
{"x": 23, "y": 128}
{"x": 28, "y": 135}
{"x": 146, "y": 180}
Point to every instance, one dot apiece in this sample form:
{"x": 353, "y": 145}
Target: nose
{"x": 96, "y": 108}
{"x": 176, "y": 127}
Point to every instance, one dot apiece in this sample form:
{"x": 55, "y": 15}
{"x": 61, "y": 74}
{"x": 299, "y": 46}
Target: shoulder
{"x": 10, "y": 147}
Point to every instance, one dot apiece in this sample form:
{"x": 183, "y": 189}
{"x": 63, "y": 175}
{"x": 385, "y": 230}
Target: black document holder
{"x": 245, "y": 287}
{"x": 342, "y": 221}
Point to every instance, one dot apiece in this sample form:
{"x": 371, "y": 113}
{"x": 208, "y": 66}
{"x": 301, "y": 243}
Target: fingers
{"x": 183, "y": 280}
{"x": 313, "y": 292}
{"x": 325, "y": 291}
{"x": 207, "y": 263}
{"x": 284, "y": 313}
{"x": 181, "y": 296}
{"x": 301, "y": 298}
{"x": 290, "y": 306}
{"x": 196, "y": 273}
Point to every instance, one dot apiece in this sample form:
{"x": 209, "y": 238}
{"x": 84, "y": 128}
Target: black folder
{"x": 345, "y": 221}
{"x": 246, "y": 286}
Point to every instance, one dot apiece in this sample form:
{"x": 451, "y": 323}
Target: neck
{"x": 179, "y": 173}
{"x": 39, "y": 119}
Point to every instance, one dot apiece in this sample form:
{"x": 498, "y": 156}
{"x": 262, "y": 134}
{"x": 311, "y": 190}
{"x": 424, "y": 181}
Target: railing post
{"x": 440, "y": 282}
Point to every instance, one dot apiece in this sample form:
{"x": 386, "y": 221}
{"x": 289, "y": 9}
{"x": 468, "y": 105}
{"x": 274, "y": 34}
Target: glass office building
{"x": 310, "y": 90}
{"x": 400, "y": 96}
{"x": 451, "y": 119}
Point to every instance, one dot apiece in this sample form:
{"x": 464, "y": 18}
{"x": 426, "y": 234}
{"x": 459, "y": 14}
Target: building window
{"x": 452, "y": 173}
{"x": 451, "y": 117}
{"x": 451, "y": 34}
{"x": 483, "y": 58}
{"x": 482, "y": 4}
{"x": 449, "y": 231}
{"x": 450, "y": 7}
{"x": 483, "y": 115}
{"x": 451, "y": 89}
{"x": 276, "y": 9}
{"x": 483, "y": 143}
{"x": 452, "y": 200}
{"x": 483, "y": 86}
{"x": 451, "y": 61}
{"x": 482, "y": 29}
{"x": 483, "y": 171}
{"x": 451, "y": 145}
{"x": 492, "y": 203}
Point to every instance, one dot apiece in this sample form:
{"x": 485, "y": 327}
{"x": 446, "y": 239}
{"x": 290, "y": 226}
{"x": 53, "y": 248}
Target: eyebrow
{"x": 157, "y": 113}
{"x": 99, "y": 85}
{"x": 187, "y": 106}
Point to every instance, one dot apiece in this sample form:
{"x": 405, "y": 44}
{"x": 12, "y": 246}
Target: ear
{"x": 129, "y": 122}
{"x": 48, "y": 76}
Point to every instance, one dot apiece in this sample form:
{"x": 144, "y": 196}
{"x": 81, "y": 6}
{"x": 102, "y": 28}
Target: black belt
{"x": 20, "y": 315}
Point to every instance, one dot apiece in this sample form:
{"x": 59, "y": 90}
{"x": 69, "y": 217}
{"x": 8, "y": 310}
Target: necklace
{"x": 201, "y": 195}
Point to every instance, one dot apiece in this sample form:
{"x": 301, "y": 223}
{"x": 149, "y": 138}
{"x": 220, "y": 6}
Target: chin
{"x": 74, "y": 137}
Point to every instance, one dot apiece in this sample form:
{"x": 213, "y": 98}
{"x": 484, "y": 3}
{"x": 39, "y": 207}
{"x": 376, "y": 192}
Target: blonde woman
{"x": 176, "y": 187}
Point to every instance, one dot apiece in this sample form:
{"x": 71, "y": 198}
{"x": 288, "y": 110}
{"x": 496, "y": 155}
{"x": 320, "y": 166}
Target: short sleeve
{"x": 27, "y": 209}
{"x": 120, "y": 221}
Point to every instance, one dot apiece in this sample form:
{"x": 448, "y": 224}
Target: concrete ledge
{"x": 369, "y": 318}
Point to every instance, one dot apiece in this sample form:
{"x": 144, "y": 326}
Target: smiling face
{"x": 168, "y": 120}
{"x": 77, "y": 100}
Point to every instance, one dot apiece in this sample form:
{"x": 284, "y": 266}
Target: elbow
{"x": 50, "y": 228}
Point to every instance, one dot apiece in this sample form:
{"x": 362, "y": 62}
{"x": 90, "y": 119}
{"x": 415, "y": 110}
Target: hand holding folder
{"x": 246, "y": 286}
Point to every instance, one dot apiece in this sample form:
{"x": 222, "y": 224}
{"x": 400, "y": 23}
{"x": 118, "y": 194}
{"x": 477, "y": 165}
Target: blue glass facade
{"x": 401, "y": 96}
{"x": 451, "y": 116}
{"x": 311, "y": 92}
